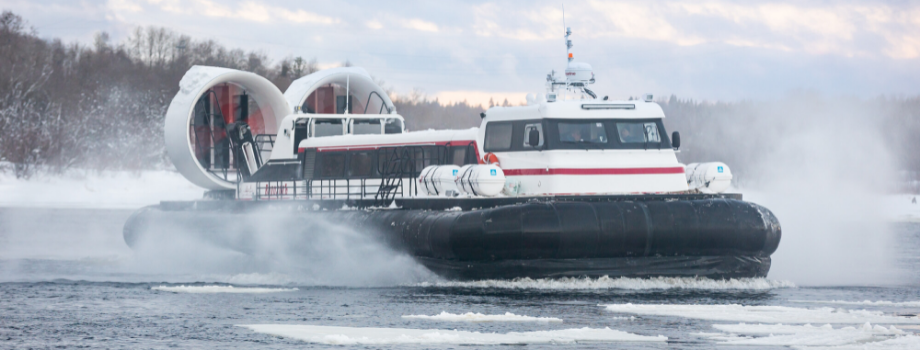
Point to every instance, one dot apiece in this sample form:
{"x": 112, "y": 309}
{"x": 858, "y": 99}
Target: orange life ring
{"x": 490, "y": 158}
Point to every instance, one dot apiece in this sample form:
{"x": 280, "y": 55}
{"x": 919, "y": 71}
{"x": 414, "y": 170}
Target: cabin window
{"x": 332, "y": 165}
{"x": 582, "y": 132}
{"x": 428, "y": 155}
{"x": 327, "y": 127}
{"x": 361, "y": 164}
{"x": 498, "y": 137}
{"x": 365, "y": 126}
{"x": 459, "y": 156}
{"x": 527, "y": 129}
{"x": 638, "y": 132}
{"x": 393, "y": 126}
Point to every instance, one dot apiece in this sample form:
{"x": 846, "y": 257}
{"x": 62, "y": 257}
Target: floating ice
{"x": 799, "y": 336}
{"x": 478, "y": 317}
{"x": 220, "y": 289}
{"x": 763, "y": 314}
{"x": 379, "y": 336}
{"x": 620, "y": 283}
{"x": 864, "y": 302}
{"x": 899, "y": 343}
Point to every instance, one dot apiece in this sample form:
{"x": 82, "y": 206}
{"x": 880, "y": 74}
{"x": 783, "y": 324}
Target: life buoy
{"x": 490, "y": 158}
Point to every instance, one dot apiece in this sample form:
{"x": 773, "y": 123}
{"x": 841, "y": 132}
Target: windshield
{"x": 638, "y": 132}
{"x": 582, "y": 132}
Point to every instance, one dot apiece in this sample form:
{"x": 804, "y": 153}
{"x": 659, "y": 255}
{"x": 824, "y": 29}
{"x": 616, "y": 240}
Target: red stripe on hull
{"x": 606, "y": 171}
{"x": 376, "y": 146}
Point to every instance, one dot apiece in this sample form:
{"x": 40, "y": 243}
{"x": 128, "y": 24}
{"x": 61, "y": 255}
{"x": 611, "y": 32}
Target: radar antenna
{"x": 577, "y": 74}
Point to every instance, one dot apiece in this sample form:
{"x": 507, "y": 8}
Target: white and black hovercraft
{"x": 568, "y": 185}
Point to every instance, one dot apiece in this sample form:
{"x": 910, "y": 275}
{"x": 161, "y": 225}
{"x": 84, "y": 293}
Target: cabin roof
{"x": 415, "y": 137}
{"x": 579, "y": 109}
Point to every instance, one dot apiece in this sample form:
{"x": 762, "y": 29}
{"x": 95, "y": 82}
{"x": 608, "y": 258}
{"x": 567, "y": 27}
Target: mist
{"x": 260, "y": 248}
{"x": 823, "y": 166}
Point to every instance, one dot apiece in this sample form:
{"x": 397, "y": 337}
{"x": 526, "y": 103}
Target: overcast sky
{"x": 455, "y": 50}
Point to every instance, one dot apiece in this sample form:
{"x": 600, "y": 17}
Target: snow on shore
{"x": 109, "y": 189}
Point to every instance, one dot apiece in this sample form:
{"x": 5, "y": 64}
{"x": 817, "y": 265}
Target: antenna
{"x": 563, "y": 16}
{"x": 347, "y": 92}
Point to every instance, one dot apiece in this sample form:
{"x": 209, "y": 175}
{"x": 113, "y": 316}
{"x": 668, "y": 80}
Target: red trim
{"x": 605, "y": 171}
{"x": 373, "y": 147}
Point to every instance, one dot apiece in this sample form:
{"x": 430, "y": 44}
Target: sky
{"x": 476, "y": 50}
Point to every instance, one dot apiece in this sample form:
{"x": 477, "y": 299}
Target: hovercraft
{"x": 567, "y": 185}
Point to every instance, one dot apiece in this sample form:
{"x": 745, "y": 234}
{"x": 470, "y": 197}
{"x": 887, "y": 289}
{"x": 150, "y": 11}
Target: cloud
{"x": 248, "y": 11}
{"x": 488, "y": 16}
{"x": 836, "y": 29}
{"x": 420, "y": 25}
{"x": 374, "y": 24}
{"x": 124, "y": 5}
{"x": 641, "y": 21}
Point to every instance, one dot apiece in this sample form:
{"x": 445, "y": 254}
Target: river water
{"x": 67, "y": 280}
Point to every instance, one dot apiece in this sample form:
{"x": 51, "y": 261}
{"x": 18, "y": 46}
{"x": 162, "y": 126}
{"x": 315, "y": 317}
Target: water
{"x": 69, "y": 281}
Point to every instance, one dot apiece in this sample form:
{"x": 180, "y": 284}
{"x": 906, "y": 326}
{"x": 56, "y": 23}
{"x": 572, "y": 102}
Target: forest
{"x": 102, "y": 106}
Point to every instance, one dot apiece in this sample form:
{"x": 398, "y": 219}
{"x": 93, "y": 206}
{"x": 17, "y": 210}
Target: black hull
{"x": 715, "y": 236}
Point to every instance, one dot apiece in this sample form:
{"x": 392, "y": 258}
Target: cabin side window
{"x": 331, "y": 165}
{"x": 327, "y": 127}
{"x": 361, "y": 165}
{"x": 365, "y": 126}
{"x": 498, "y": 137}
{"x": 533, "y": 127}
{"x": 393, "y": 126}
{"x": 458, "y": 156}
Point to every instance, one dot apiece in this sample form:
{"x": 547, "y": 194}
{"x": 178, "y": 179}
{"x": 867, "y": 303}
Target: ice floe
{"x": 380, "y": 336}
{"x": 478, "y": 317}
{"x": 220, "y": 289}
{"x": 807, "y": 335}
{"x": 864, "y": 302}
{"x": 762, "y": 314}
{"x": 619, "y": 283}
{"x": 899, "y": 343}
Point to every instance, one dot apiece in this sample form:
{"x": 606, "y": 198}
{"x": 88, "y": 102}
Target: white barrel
{"x": 481, "y": 179}
{"x": 713, "y": 177}
{"x": 436, "y": 180}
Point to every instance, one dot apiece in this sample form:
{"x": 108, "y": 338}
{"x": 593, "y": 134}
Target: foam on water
{"x": 220, "y": 289}
{"x": 380, "y": 336}
{"x": 864, "y": 302}
{"x": 478, "y": 317}
{"x": 804, "y": 335}
{"x": 619, "y": 283}
{"x": 762, "y": 314}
